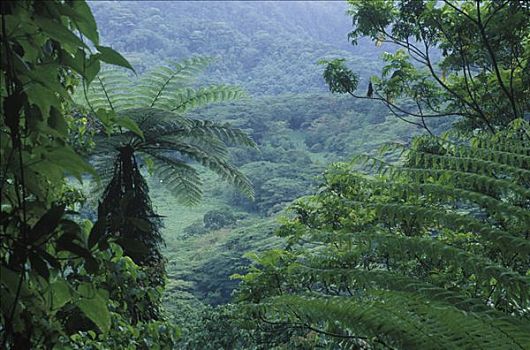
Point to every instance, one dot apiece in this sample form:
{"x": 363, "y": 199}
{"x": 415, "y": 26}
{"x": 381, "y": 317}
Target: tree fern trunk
{"x": 132, "y": 222}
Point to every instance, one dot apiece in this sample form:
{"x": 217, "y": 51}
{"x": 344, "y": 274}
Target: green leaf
{"x": 97, "y": 231}
{"x": 76, "y": 62}
{"x": 42, "y": 97}
{"x": 60, "y": 293}
{"x": 47, "y": 223}
{"x": 52, "y": 261}
{"x": 10, "y": 279}
{"x": 87, "y": 23}
{"x": 46, "y": 75}
{"x": 66, "y": 243}
{"x": 109, "y": 55}
{"x": 60, "y": 33}
{"x": 94, "y": 305}
{"x": 92, "y": 68}
{"x": 106, "y": 117}
{"x": 130, "y": 124}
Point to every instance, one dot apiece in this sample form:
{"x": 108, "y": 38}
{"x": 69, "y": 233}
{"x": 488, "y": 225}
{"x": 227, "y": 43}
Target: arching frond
{"x": 401, "y": 319}
{"x": 153, "y": 120}
{"x": 109, "y": 90}
{"x": 205, "y": 158}
{"x": 160, "y": 83}
{"x": 225, "y": 132}
{"x": 157, "y": 104}
{"x": 180, "y": 178}
{"x": 183, "y": 100}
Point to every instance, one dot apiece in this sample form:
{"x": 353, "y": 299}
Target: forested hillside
{"x": 265, "y": 175}
{"x": 271, "y": 49}
{"x": 265, "y": 47}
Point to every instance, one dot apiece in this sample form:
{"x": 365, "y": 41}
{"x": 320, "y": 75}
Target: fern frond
{"x": 183, "y": 100}
{"x": 462, "y": 179}
{"x": 109, "y": 90}
{"x": 159, "y": 83}
{"x": 180, "y": 178}
{"x": 153, "y": 120}
{"x": 156, "y": 103}
{"x": 467, "y": 164}
{"x": 225, "y": 132}
{"x": 348, "y": 279}
{"x": 402, "y": 319}
{"x": 395, "y": 211}
{"x": 517, "y": 286}
{"x": 441, "y": 193}
{"x": 505, "y": 157}
{"x": 429, "y": 251}
{"x": 218, "y": 165}
{"x": 403, "y": 248}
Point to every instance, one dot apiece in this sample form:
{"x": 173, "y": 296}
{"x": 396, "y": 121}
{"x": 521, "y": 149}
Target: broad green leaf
{"x": 92, "y": 68}
{"x": 42, "y": 97}
{"x": 60, "y": 293}
{"x": 57, "y": 122}
{"x": 87, "y": 24}
{"x": 9, "y": 278}
{"x": 60, "y": 33}
{"x": 109, "y": 55}
{"x": 46, "y": 75}
{"x": 96, "y": 233}
{"x": 93, "y": 304}
{"x": 106, "y": 117}
{"x": 39, "y": 265}
{"x": 66, "y": 243}
{"x": 76, "y": 61}
{"x": 47, "y": 223}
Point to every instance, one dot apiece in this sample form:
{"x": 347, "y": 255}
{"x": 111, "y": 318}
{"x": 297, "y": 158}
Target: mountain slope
{"x": 266, "y": 47}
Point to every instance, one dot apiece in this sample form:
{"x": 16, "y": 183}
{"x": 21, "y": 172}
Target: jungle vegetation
{"x": 237, "y": 175}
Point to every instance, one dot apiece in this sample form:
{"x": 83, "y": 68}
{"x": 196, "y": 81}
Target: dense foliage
{"x": 265, "y": 47}
{"x": 296, "y": 134}
{"x": 54, "y": 263}
{"x": 116, "y": 233}
{"x": 434, "y": 246}
{"x": 429, "y": 249}
{"x": 48, "y": 269}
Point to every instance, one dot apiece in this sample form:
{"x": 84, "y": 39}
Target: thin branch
{"x": 494, "y": 60}
{"x": 459, "y": 11}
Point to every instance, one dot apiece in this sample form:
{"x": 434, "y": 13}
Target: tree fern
{"x": 431, "y": 251}
{"x": 156, "y": 103}
{"x": 153, "y": 131}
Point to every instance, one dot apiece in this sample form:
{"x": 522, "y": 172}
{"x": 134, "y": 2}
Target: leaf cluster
{"x": 456, "y": 59}
{"x": 51, "y": 269}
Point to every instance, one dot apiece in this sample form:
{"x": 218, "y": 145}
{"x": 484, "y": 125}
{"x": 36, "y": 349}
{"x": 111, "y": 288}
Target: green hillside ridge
{"x": 265, "y": 47}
